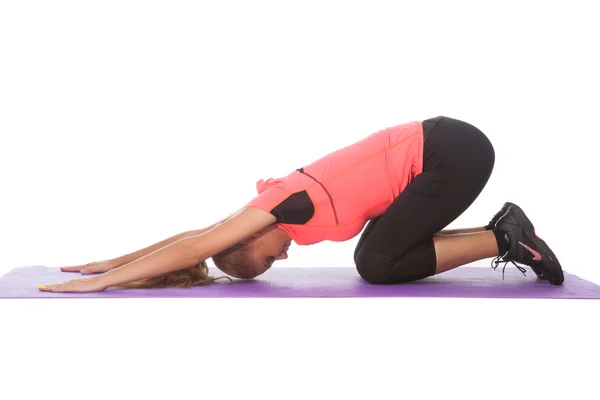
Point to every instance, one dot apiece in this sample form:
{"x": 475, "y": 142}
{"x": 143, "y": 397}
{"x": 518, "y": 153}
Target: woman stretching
{"x": 408, "y": 182}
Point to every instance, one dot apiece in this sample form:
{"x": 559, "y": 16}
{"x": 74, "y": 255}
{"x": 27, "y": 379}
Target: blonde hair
{"x": 234, "y": 261}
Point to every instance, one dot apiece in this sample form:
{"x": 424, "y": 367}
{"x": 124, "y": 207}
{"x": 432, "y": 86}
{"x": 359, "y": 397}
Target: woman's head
{"x": 254, "y": 255}
{"x": 245, "y": 260}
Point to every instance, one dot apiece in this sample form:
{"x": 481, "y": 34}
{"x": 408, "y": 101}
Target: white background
{"x": 126, "y": 122}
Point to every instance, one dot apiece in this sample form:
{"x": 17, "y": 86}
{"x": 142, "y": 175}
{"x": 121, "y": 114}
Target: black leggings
{"x": 397, "y": 246}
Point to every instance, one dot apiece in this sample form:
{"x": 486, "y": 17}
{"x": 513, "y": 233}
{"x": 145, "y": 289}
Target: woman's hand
{"x": 93, "y": 267}
{"x": 95, "y": 284}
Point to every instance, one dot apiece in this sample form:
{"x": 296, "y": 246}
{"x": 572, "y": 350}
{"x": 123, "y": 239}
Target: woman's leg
{"x": 399, "y": 245}
{"x": 455, "y": 250}
{"x": 445, "y": 232}
{"x": 491, "y": 225}
{"x": 450, "y": 232}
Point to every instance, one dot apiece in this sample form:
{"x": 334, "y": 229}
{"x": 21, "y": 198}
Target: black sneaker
{"x": 526, "y": 247}
{"x": 538, "y": 271}
{"x": 498, "y": 215}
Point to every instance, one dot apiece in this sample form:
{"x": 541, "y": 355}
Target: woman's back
{"x": 333, "y": 197}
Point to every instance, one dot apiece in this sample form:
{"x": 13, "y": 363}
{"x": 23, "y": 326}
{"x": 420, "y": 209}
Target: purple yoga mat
{"x": 469, "y": 281}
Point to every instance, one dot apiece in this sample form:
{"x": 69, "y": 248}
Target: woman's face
{"x": 268, "y": 246}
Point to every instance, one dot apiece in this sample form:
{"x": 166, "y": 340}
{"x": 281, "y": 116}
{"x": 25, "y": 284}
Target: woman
{"x": 408, "y": 182}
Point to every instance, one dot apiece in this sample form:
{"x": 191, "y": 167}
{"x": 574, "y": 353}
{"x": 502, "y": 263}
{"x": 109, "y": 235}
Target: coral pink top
{"x": 335, "y": 196}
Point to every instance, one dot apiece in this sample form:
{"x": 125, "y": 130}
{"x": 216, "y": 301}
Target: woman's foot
{"x": 498, "y": 215}
{"x": 526, "y": 247}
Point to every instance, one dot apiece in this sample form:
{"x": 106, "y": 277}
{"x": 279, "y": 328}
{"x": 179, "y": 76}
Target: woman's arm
{"x": 241, "y": 225}
{"x": 150, "y": 249}
{"x": 191, "y": 250}
{"x": 175, "y": 256}
{"x": 117, "y": 262}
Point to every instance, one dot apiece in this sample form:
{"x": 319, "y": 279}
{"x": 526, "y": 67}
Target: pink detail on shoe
{"x": 536, "y": 256}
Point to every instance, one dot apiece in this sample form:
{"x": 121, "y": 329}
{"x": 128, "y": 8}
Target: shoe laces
{"x": 496, "y": 261}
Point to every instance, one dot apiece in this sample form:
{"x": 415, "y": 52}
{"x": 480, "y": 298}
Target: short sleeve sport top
{"x": 334, "y": 197}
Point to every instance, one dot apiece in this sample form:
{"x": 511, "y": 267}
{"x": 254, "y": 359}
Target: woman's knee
{"x": 369, "y": 268}
{"x": 417, "y": 264}
{"x": 380, "y": 270}
{"x": 365, "y": 235}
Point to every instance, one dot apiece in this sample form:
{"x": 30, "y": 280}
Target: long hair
{"x": 233, "y": 261}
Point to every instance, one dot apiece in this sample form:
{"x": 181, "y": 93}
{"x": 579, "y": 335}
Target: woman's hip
{"x": 455, "y": 145}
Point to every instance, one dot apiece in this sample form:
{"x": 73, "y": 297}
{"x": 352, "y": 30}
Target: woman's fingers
{"x": 75, "y": 268}
{"x": 90, "y": 268}
{"x": 81, "y": 285}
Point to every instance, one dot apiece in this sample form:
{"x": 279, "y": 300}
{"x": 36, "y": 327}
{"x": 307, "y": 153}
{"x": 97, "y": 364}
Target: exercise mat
{"x": 471, "y": 281}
